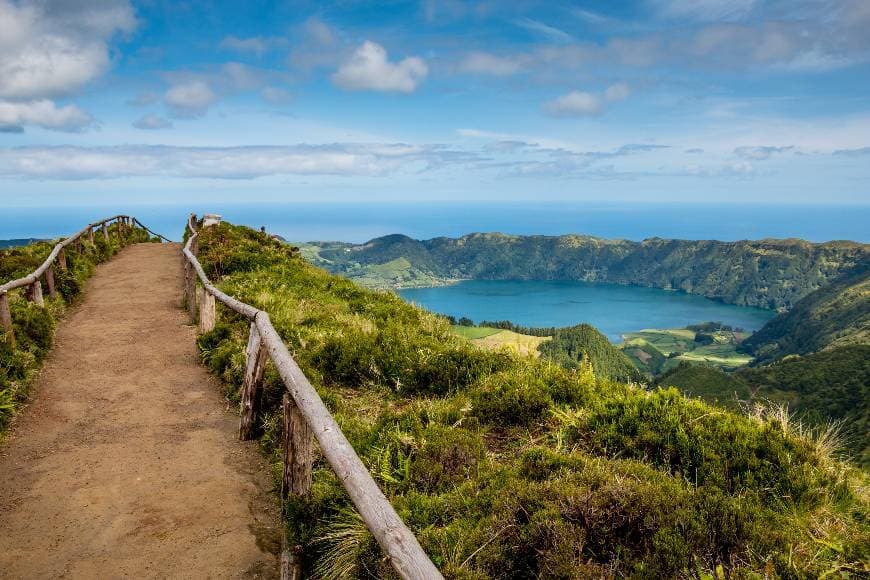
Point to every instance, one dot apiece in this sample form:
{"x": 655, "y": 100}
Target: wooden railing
{"x": 57, "y": 259}
{"x": 304, "y": 415}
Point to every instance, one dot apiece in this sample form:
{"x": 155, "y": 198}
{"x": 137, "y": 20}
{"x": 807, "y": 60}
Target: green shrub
{"x": 518, "y": 397}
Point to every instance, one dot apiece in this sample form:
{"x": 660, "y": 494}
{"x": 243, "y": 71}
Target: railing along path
{"x": 57, "y": 259}
{"x": 304, "y": 415}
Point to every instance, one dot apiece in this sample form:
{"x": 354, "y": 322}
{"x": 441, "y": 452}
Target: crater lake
{"x": 611, "y": 308}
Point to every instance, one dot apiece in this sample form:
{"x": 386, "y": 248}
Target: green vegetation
{"x": 836, "y": 315}
{"x": 766, "y": 273}
{"x": 511, "y": 467}
{"x": 831, "y": 386}
{"x": 474, "y": 332}
{"x": 571, "y": 346}
{"x": 658, "y": 351}
{"x": 34, "y": 326}
{"x": 711, "y": 384}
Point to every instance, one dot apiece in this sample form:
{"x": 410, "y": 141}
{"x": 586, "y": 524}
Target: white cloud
{"x": 355, "y": 159}
{"x": 319, "y": 31}
{"x": 276, "y": 95}
{"x": 152, "y": 122}
{"x": 760, "y": 153}
{"x": 703, "y": 10}
{"x": 580, "y": 103}
{"x": 189, "y": 99}
{"x": 617, "y": 92}
{"x": 257, "y": 45}
{"x": 369, "y": 69}
{"x": 575, "y": 103}
{"x": 550, "y": 32}
{"x": 489, "y": 64}
{"x": 50, "y": 49}
{"x": 43, "y": 113}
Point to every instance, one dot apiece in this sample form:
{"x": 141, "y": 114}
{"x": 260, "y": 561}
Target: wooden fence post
{"x": 190, "y": 292}
{"x": 252, "y": 388}
{"x": 49, "y": 282}
{"x": 296, "y": 480}
{"x": 34, "y": 293}
{"x": 206, "y": 311}
{"x": 91, "y": 235}
{"x": 105, "y": 229}
{"x": 61, "y": 259}
{"x": 6, "y": 320}
{"x": 298, "y": 451}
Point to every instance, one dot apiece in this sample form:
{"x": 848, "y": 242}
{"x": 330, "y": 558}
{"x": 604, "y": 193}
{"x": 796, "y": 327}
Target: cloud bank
{"x": 369, "y": 69}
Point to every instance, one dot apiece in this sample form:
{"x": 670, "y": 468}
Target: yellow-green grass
{"x": 667, "y": 340}
{"x": 474, "y": 332}
{"x": 522, "y": 344}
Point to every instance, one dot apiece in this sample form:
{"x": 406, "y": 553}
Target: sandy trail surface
{"x": 126, "y": 463}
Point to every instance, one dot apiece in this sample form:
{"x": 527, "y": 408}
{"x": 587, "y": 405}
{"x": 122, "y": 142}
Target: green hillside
{"x": 832, "y": 385}
{"x": 821, "y": 388}
{"x": 709, "y": 383}
{"x": 507, "y": 466}
{"x": 766, "y": 273}
{"x": 836, "y": 315}
{"x": 570, "y": 346}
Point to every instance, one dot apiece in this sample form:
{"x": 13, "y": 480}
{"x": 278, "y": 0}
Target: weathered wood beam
{"x": 49, "y": 282}
{"x": 61, "y": 260}
{"x": 298, "y": 450}
{"x": 6, "y": 319}
{"x": 252, "y": 387}
{"x": 206, "y": 311}
{"x": 34, "y": 293}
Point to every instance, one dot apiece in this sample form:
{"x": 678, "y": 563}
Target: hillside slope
{"x": 766, "y": 273}
{"x": 512, "y": 467}
{"x": 820, "y": 388}
{"x": 570, "y": 346}
{"x": 836, "y": 315}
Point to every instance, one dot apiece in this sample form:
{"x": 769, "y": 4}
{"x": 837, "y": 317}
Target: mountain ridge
{"x": 768, "y": 273}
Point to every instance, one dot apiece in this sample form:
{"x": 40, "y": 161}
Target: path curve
{"x": 126, "y": 463}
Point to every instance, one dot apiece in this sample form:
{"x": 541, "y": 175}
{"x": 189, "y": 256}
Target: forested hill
{"x": 835, "y": 315}
{"x": 764, "y": 273}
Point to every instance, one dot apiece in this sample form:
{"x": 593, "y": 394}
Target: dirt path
{"x": 126, "y": 464}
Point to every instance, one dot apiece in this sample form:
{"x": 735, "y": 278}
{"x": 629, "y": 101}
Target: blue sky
{"x": 743, "y": 101}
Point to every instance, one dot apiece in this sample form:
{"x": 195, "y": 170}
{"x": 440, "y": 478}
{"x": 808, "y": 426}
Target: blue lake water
{"x": 613, "y": 309}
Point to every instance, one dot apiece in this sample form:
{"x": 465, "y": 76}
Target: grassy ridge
{"x": 766, "y": 273}
{"x": 34, "y": 326}
{"x": 510, "y": 467}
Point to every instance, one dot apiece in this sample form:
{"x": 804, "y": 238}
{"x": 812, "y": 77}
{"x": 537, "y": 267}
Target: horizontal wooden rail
{"x": 46, "y": 269}
{"x": 398, "y": 543}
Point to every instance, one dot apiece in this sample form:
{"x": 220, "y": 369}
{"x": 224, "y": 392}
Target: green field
{"x": 678, "y": 344}
{"x": 474, "y": 332}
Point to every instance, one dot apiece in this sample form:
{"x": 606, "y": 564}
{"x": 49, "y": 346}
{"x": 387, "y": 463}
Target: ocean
{"x": 359, "y": 222}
